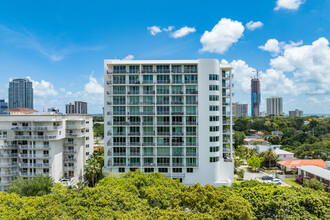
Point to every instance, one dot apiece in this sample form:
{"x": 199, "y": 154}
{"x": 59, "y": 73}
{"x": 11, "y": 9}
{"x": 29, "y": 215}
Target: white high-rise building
{"x": 169, "y": 116}
{"x": 48, "y": 144}
{"x": 296, "y": 113}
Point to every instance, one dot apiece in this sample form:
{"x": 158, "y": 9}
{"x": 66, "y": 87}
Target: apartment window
{"x": 163, "y": 79}
{"x": 87, "y": 145}
{"x": 214, "y": 108}
{"x": 147, "y": 69}
{"x": 119, "y": 69}
{"x": 214, "y": 128}
{"x": 213, "y": 98}
{"x": 119, "y": 90}
{"x": 87, "y": 130}
{"x": 176, "y": 69}
{"x": 119, "y": 100}
{"x": 119, "y": 79}
{"x": 163, "y": 68}
{"x": 133, "y": 100}
{"x": 176, "y": 78}
{"x": 190, "y": 68}
{"x": 214, "y": 138}
{"x": 148, "y": 79}
{"x": 190, "y": 170}
{"x": 87, "y": 138}
{"x": 133, "y": 69}
{"x": 213, "y": 77}
{"x": 214, "y": 149}
{"x": 190, "y": 78}
{"x": 214, "y": 118}
{"x": 135, "y": 90}
{"x": 191, "y": 100}
{"x": 121, "y": 170}
{"x": 163, "y": 170}
{"x": 163, "y": 89}
{"x": 87, "y": 153}
{"x": 214, "y": 88}
{"x": 148, "y": 170}
{"x": 148, "y": 90}
{"x": 214, "y": 159}
{"x": 177, "y": 170}
{"x": 132, "y": 169}
{"x": 191, "y": 110}
{"x": 87, "y": 122}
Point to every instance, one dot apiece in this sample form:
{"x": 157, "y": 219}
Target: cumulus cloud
{"x": 272, "y": 45}
{"x": 222, "y": 36}
{"x": 93, "y": 86}
{"x": 169, "y": 28}
{"x": 183, "y": 32}
{"x": 254, "y": 25}
{"x": 129, "y": 57}
{"x": 43, "y": 88}
{"x": 154, "y": 30}
{"x": 288, "y": 4}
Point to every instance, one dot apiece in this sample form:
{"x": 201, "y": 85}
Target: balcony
{"x": 148, "y": 133}
{"x": 134, "y": 133}
{"x": 119, "y": 164}
{"x": 21, "y": 128}
{"x": 8, "y": 146}
{"x": 133, "y": 92}
{"x": 177, "y": 165}
{"x": 134, "y": 154}
{"x": 119, "y": 143}
{"x": 37, "y": 147}
{"x": 191, "y": 92}
{"x": 177, "y": 82}
{"x": 163, "y": 123}
{"x": 119, "y": 113}
{"x": 134, "y": 144}
{"x": 177, "y": 103}
{"x": 163, "y": 113}
{"x": 8, "y": 173}
{"x": 147, "y": 113}
{"x": 227, "y": 113}
{"x": 146, "y": 154}
{"x": 191, "y": 122}
{"x": 191, "y": 154}
{"x": 177, "y": 113}
{"x": 177, "y": 92}
{"x": 148, "y": 123}
{"x": 148, "y": 92}
{"x": 191, "y": 81}
{"x": 134, "y": 82}
{"x": 3, "y": 136}
{"x": 119, "y": 134}
{"x": 177, "y": 144}
{"x": 191, "y": 165}
{"x": 75, "y": 134}
{"x": 34, "y": 155}
{"x": 119, "y": 154}
{"x": 163, "y": 164}
{"x": 191, "y": 144}
{"x": 191, "y": 133}
{"x": 163, "y": 154}
{"x": 149, "y": 164}
{"x": 177, "y": 154}
{"x": 227, "y": 85}
{"x": 177, "y": 123}
{"x": 134, "y": 164}
{"x": 163, "y": 102}
{"x": 68, "y": 168}
{"x": 177, "y": 134}
{"x": 10, "y": 164}
{"x": 134, "y": 123}
{"x": 148, "y": 144}
{"x": 68, "y": 144}
{"x": 147, "y": 82}
{"x": 163, "y": 133}
{"x": 120, "y": 123}
{"x": 163, "y": 91}
{"x": 190, "y": 71}
{"x": 163, "y": 81}
{"x": 192, "y": 103}
{"x": 227, "y": 75}
{"x": 119, "y": 103}
{"x": 69, "y": 159}
{"x": 69, "y": 151}
{"x": 8, "y": 155}
{"x": 164, "y": 144}
{"x": 34, "y": 165}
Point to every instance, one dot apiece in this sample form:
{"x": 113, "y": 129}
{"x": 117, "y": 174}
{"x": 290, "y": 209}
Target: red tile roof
{"x": 297, "y": 163}
{"x": 20, "y": 110}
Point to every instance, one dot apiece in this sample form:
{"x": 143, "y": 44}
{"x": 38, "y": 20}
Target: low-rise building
{"x": 48, "y": 144}
{"x": 321, "y": 174}
{"x": 277, "y": 133}
{"x": 296, "y": 113}
{"x": 284, "y": 155}
{"x": 289, "y": 165}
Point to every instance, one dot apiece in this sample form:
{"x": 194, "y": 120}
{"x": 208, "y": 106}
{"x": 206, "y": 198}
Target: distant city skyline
{"x": 62, "y": 50}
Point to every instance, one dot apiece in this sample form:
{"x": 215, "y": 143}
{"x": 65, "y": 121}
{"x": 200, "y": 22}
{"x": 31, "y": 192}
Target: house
{"x": 289, "y": 165}
{"x": 250, "y": 141}
{"x": 262, "y": 148}
{"x": 321, "y": 174}
{"x": 277, "y": 133}
{"x": 284, "y": 155}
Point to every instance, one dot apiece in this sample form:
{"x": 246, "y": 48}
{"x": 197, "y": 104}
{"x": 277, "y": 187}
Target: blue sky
{"x": 61, "y": 45}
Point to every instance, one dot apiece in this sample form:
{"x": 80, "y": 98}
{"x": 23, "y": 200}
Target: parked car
{"x": 275, "y": 181}
{"x": 267, "y": 178}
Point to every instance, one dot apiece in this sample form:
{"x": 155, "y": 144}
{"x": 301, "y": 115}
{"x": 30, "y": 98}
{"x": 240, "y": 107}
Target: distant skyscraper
{"x": 240, "y": 109}
{"x": 69, "y": 108}
{"x": 78, "y": 107}
{"x": 296, "y": 113}
{"x": 3, "y": 107}
{"x": 255, "y": 96}
{"x": 20, "y": 93}
{"x": 274, "y": 105}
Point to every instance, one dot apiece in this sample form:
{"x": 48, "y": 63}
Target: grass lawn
{"x": 292, "y": 182}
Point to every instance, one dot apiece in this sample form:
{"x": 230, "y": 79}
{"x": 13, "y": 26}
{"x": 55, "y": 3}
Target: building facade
{"x": 240, "y": 110}
{"x": 274, "y": 106}
{"x": 296, "y": 113}
{"x": 47, "y": 144}
{"x": 3, "y": 107}
{"x": 255, "y": 96}
{"x": 20, "y": 94}
{"x": 78, "y": 107}
{"x": 169, "y": 116}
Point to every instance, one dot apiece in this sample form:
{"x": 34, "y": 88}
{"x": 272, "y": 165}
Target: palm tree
{"x": 270, "y": 155}
{"x": 79, "y": 186}
{"x": 92, "y": 169}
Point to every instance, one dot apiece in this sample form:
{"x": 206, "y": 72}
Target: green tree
{"x": 37, "y": 186}
{"x": 274, "y": 140}
{"x": 313, "y": 184}
{"x": 241, "y": 173}
{"x": 239, "y": 137}
{"x": 93, "y": 168}
{"x": 254, "y": 162}
{"x": 269, "y": 156}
